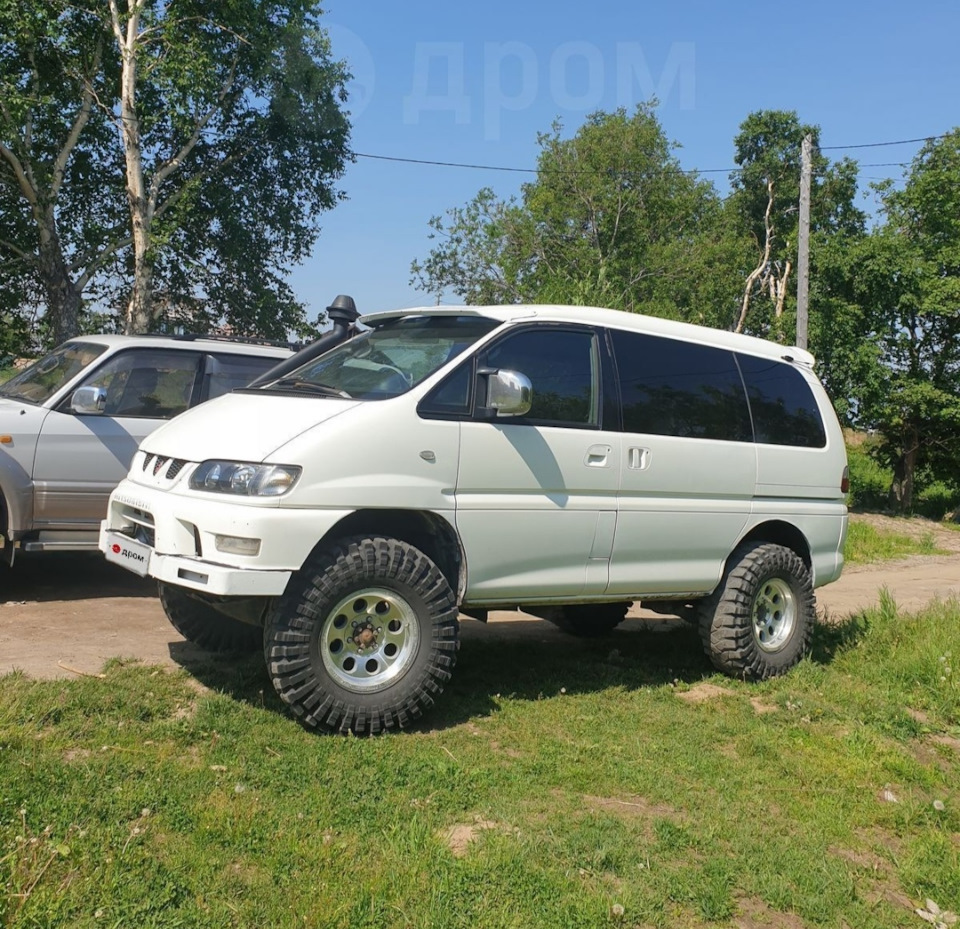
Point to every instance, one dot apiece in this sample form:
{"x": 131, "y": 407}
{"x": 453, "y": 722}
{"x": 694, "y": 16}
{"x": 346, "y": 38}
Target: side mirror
{"x": 88, "y": 400}
{"x": 509, "y": 393}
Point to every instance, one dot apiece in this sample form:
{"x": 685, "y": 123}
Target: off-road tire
{"x": 758, "y": 622}
{"x": 364, "y": 638}
{"x": 205, "y": 626}
{"x": 590, "y": 620}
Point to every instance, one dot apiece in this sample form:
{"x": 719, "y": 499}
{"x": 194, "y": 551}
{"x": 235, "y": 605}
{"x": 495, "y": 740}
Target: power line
{"x": 929, "y": 138}
{"x": 731, "y": 170}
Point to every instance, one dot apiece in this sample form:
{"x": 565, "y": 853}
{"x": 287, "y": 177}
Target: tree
{"x": 906, "y": 276}
{"x": 766, "y": 191}
{"x": 611, "y": 219}
{"x": 58, "y": 229}
{"x": 203, "y": 141}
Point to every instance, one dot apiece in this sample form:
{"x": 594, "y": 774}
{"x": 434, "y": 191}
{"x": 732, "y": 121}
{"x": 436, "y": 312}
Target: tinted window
{"x": 679, "y": 388}
{"x": 783, "y": 406}
{"x": 452, "y": 395}
{"x": 561, "y": 365}
{"x": 225, "y": 372}
{"x": 148, "y": 383}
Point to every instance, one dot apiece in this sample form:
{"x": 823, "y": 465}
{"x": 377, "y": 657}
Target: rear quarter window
{"x": 782, "y": 405}
{"x": 682, "y": 389}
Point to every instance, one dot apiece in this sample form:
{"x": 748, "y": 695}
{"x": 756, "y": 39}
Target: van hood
{"x": 246, "y": 426}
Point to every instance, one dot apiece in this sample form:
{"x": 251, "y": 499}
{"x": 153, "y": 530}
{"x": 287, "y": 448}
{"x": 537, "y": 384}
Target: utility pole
{"x": 803, "y": 242}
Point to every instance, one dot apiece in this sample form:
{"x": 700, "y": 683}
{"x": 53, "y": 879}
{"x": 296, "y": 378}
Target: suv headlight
{"x": 247, "y": 480}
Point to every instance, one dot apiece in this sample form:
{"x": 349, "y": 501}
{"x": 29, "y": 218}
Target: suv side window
{"x": 224, "y": 372}
{"x": 668, "y": 387}
{"x": 563, "y": 367}
{"x": 150, "y": 383}
{"x": 784, "y": 409}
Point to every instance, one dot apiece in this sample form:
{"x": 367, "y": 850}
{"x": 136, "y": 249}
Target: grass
{"x": 560, "y": 784}
{"x": 866, "y": 544}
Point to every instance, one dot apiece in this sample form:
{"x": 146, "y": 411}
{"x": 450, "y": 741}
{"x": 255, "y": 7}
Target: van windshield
{"x": 387, "y": 360}
{"x": 45, "y": 377}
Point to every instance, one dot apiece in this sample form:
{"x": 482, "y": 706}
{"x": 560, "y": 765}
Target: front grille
{"x": 155, "y": 464}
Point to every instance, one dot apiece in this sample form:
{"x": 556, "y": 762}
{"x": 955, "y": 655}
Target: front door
{"x": 536, "y": 495}
{"x": 82, "y": 457}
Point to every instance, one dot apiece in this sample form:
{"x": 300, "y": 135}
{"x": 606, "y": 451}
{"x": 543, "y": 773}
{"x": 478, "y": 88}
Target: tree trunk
{"x": 904, "y": 469}
{"x": 139, "y": 315}
{"x": 63, "y": 298}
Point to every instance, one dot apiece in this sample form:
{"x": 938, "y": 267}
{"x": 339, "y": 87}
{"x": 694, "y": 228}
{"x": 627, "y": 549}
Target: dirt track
{"x": 62, "y": 615}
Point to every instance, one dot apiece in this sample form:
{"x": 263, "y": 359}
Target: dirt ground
{"x": 65, "y": 615}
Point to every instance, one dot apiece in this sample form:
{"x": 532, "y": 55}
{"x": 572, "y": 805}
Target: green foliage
{"x": 869, "y": 480}
{"x": 242, "y": 136}
{"x": 611, "y": 220}
{"x": 583, "y": 789}
{"x": 906, "y": 277}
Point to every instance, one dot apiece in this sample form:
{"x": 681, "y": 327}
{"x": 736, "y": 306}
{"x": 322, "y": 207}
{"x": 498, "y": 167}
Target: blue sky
{"x": 476, "y": 83}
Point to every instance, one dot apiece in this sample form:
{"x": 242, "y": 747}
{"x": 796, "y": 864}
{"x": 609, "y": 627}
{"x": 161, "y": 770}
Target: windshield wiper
{"x": 325, "y": 389}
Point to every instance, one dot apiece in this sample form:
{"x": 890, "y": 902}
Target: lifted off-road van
{"x": 447, "y": 461}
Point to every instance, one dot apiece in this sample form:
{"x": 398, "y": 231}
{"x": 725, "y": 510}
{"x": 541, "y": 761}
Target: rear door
{"x": 687, "y": 464}
{"x": 536, "y": 495}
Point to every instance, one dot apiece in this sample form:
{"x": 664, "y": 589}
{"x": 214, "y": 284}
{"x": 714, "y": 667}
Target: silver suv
{"x": 71, "y": 422}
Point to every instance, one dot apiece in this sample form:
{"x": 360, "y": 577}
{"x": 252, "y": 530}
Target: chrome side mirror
{"x": 89, "y": 400}
{"x": 509, "y": 393}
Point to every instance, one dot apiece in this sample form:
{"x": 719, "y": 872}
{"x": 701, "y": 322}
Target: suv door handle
{"x": 638, "y": 459}
{"x": 598, "y": 456}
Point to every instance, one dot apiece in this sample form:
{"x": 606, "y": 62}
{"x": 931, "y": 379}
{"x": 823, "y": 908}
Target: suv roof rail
{"x": 245, "y": 340}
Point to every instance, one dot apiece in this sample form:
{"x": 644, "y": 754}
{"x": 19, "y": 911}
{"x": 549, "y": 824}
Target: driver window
{"x": 562, "y": 365}
{"x": 148, "y": 383}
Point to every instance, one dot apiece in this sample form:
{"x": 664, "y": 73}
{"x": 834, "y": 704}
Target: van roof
{"x": 263, "y": 348}
{"x": 615, "y": 319}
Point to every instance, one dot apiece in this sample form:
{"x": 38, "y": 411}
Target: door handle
{"x": 638, "y": 459}
{"x": 598, "y": 456}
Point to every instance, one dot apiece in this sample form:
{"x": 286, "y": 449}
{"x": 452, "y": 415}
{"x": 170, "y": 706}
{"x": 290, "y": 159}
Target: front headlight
{"x": 247, "y": 480}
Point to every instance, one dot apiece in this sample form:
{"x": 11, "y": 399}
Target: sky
{"x": 476, "y": 82}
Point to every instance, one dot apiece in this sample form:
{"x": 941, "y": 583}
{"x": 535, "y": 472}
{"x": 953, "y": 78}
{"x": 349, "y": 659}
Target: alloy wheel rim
{"x": 774, "y": 614}
{"x": 369, "y": 640}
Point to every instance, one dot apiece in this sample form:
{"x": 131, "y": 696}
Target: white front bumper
{"x": 184, "y": 539}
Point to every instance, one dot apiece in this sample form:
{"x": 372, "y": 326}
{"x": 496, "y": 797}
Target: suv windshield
{"x": 388, "y": 360}
{"x": 45, "y": 377}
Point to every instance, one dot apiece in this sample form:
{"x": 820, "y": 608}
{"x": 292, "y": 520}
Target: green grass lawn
{"x": 867, "y": 544}
{"x": 567, "y": 784}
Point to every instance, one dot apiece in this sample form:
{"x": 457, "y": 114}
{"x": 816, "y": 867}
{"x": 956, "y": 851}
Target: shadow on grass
{"x": 831, "y": 638}
{"x": 530, "y": 661}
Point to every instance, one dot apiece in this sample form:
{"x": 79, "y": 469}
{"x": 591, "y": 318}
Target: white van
{"x": 563, "y": 460}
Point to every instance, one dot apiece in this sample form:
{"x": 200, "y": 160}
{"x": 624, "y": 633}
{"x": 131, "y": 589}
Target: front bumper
{"x": 178, "y": 534}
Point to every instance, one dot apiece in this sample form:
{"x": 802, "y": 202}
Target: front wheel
{"x": 759, "y": 621}
{"x": 364, "y": 638}
{"x": 200, "y": 623}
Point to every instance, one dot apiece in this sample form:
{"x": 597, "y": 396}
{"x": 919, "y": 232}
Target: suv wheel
{"x": 758, "y": 622}
{"x": 205, "y": 626}
{"x": 364, "y": 638}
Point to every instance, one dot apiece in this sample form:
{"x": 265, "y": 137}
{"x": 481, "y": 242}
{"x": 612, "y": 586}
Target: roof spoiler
{"x": 343, "y": 313}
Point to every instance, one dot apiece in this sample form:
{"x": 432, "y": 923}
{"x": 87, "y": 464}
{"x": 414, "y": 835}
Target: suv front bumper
{"x": 173, "y": 538}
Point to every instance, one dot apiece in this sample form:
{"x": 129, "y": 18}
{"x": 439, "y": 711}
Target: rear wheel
{"x": 200, "y": 623}
{"x": 364, "y": 638}
{"x": 759, "y": 621}
{"x": 590, "y": 620}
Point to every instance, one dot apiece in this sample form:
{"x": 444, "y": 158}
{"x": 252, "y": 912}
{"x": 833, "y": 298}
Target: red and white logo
{"x": 115, "y": 548}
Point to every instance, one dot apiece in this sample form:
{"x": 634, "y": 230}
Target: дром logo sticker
{"x": 116, "y": 548}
